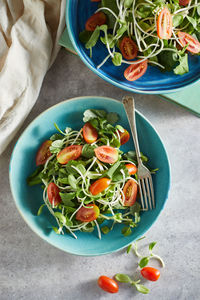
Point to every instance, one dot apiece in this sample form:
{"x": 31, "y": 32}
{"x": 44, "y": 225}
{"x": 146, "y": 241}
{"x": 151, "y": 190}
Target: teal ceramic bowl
{"x": 28, "y": 199}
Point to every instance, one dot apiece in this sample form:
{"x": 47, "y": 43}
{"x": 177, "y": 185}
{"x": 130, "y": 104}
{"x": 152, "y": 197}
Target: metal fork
{"x": 144, "y": 176}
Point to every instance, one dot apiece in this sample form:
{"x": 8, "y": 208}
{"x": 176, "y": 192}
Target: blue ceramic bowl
{"x": 153, "y": 82}
{"x": 28, "y": 199}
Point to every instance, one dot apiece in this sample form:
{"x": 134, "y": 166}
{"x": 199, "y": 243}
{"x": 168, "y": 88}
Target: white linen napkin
{"x": 29, "y": 33}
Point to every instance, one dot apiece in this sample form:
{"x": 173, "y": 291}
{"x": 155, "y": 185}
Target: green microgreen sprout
{"x": 126, "y": 279}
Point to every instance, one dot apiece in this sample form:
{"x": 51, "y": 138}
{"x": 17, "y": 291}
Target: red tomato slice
{"x": 124, "y": 136}
{"x": 108, "y": 284}
{"x": 69, "y": 153}
{"x": 128, "y": 48}
{"x": 53, "y": 194}
{"x": 130, "y": 192}
{"x": 95, "y": 0}
{"x": 132, "y": 169}
{"x": 186, "y": 38}
{"x": 106, "y": 154}
{"x": 90, "y": 134}
{"x": 89, "y": 214}
{"x": 99, "y": 186}
{"x": 133, "y": 72}
{"x": 95, "y": 20}
{"x": 43, "y": 153}
{"x": 184, "y": 2}
{"x": 150, "y": 273}
{"x": 164, "y": 24}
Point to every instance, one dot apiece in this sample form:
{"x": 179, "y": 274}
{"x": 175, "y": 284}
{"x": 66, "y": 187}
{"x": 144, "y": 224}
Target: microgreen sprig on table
{"x": 126, "y": 279}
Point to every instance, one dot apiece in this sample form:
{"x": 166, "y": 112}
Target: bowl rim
{"x": 120, "y": 85}
{"x": 34, "y": 228}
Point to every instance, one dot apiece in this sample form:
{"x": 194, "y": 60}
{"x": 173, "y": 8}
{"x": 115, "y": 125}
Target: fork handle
{"x": 129, "y": 105}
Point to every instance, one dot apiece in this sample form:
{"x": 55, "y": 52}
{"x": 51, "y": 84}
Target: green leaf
{"x": 117, "y": 59}
{"x": 112, "y": 169}
{"x": 135, "y": 208}
{"x": 129, "y": 248}
{"x": 105, "y": 229}
{"x": 168, "y": 59}
{"x": 112, "y": 117}
{"x": 93, "y": 39}
{"x": 56, "y": 136}
{"x": 72, "y": 181}
{"x": 60, "y": 217}
{"x": 113, "y": 6}
{"x": 67, "y": 197}
{"x": 123, "y": 278}
{"x": 128, "y": 3}
{"x": 143, "y": 262}
{"x": 151, "y": 246}
{"x": 90, "y": 114}
{"x": 56, "y": 230}
{"x": 141, "y": 288}
{"x": 35, "y": 178}
{"x": 84, "y": 36}
{"x": 40, "y": 209}
{"x": 183, "y": 66}
{"x": 88, "y": 151}
{"x": 177, "y": 20}
{"x": 126, "y": 231}
{"x": 192, "y": 21}
{"x": 198, "y": 10}
{"x": 56, "y": 146}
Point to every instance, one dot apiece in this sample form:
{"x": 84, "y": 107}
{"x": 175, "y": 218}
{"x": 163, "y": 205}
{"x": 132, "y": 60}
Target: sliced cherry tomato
{"x": 135, "y": 71}
{"x": 164, "y": 24}
{"x": 128, "y": 48}
{"x": 106, "y": 154}
{"x": 99, "y": 186}
{"x": 184, "y": 2}
{"x": 88, "y": 214}
{"x": 124, "y": 136}
{"x": 132, "y": 169}
{"x": 186, "y": 38}
{"x": 69, "y": 153}
{"x": 130, "y": 192}
{"x": 53, "y": 194}
{"x": 90, "y": 134}
{"x": 150, "y": 273}
{"x": 108, "y": 284}
{"x": 95, "y": 0}
{"x": 43, "y": 153}
{"x": 95, "y": 20}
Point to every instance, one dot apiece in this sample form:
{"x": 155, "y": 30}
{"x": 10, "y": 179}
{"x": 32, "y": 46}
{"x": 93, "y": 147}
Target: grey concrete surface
{"x": 31, "y": 269}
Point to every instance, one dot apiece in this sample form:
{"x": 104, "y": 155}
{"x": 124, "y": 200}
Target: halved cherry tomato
{"x": 164, "y": 24}
{"x": 184, "y": 2}
{"x": 130, "y": 192}
{"x": 150, "y": 273}
{"x": 132, "y": 169}
{"x": 106, "y": 154}
{"x": 69, "y": 153}
{"x": 124, "y": 136}
{"x": 135, "y": 71}
{"x": 108, "y": 284}
{"x": 128, "y": 48}
{"x": 99, "y": 186}
{"x": 186, "y": 38}
{"x": 43, "y": 153}
{"x": 87, "y": 214}
{"x": 95, "y": 0}
{"x": 90, "y": 134}
{"x": 95, "y": 20}
{"x": 53, "y": 194}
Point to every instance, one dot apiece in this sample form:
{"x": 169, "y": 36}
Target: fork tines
{"x": 146, "y": 192}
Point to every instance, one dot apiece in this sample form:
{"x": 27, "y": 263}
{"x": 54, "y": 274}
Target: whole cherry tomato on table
{"x": 150, "y": 273}
{"x": 108, "y": 284}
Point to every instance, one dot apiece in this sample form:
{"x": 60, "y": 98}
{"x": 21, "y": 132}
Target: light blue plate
{"x": 28, "y": 199}
{"x": 152, "y": 82}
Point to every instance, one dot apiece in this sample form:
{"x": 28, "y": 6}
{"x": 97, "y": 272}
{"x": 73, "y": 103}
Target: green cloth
{"x": 188, "y": 98}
